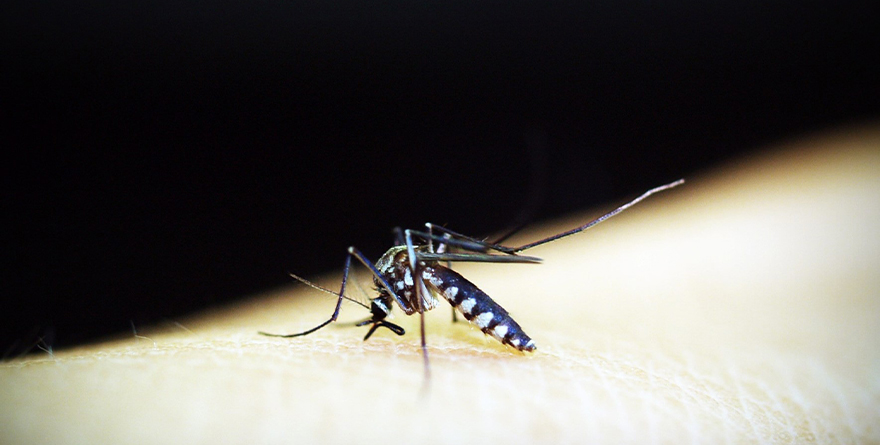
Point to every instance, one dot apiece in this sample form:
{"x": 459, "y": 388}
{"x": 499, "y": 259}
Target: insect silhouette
{"x": 416, "y": 273}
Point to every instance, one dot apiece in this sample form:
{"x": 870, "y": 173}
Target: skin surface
{"x": 741, "y": 307}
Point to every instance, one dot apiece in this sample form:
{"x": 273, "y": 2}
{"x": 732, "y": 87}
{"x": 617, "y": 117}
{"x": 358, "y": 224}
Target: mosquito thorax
{"x": 394, "y": 256}
{"x": 395, "y": 268}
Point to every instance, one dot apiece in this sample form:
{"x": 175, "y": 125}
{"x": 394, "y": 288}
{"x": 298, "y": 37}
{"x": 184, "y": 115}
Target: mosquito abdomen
{"x": 477, "y": 307}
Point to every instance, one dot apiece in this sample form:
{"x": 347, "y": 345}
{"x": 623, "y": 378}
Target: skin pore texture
{"x": 741, "y": 307}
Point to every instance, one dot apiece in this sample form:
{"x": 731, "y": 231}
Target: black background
{"x": 163, "y": 157}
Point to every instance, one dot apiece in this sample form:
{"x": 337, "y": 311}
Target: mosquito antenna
{"x": 599, "y": 219}
{"x": 324, "y": 289}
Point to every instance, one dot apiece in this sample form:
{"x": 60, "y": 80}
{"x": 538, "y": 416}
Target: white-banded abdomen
{"x": 476, "y": 306}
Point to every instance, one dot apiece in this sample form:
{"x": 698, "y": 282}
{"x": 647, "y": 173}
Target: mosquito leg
{"x": 440, "y": 247}
{"x": 382, "y": 324}
{"x": 424, "y": 347}
{"x": 420, "y": 287}
{"x": 449, "y": 265}
{"x": 514, "y": 250}
{"x": 466, "y": 242}
{"x": 601, "y": 218}
{"x": 352, "y": 252}
{"x": 335, "y": 315}
{"x": 478, "y": 257}
{"x": 453, "y": 238}
{"x": 369, "y": 265}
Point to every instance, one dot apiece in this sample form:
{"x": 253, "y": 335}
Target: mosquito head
{"x": 380, "y": 306}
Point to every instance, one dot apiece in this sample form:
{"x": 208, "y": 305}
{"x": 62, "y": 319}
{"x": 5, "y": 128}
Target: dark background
{"x": 163, "y": 157}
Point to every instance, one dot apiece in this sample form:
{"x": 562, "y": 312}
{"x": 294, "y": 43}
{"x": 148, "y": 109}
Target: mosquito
{"x": 415, "y": 275}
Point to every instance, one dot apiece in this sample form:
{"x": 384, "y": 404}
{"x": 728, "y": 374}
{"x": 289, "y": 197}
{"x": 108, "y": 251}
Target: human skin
{"x": 741, "y": 307}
